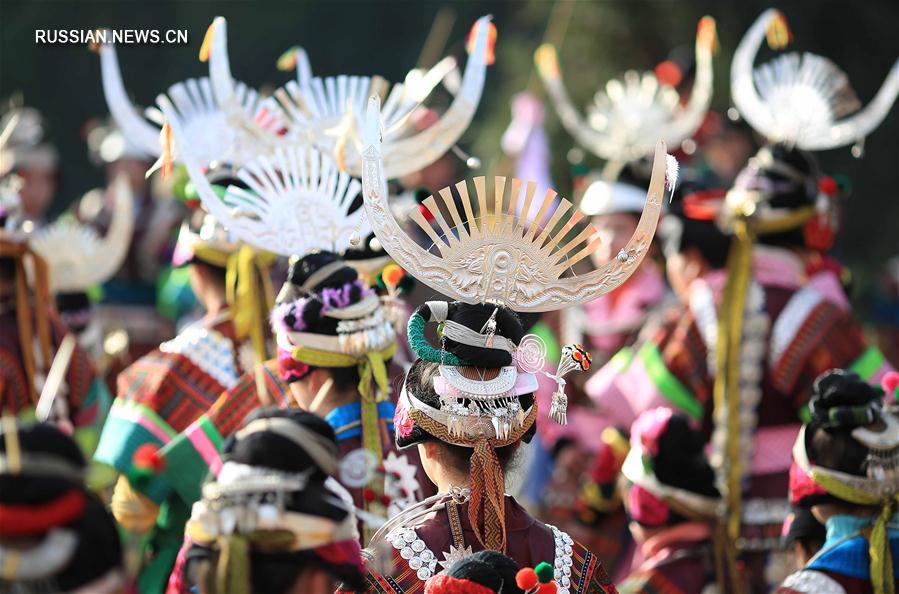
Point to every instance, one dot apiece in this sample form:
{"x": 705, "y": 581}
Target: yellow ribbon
{"x": 249, "y": 290}
{"x": 233, "y": 568}
{"x": 881, "y": 557}
{"x": 727, "y": 388}
{"x": 372, "y": 367}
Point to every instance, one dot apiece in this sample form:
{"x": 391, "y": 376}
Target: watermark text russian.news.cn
{"x": 115, "y": 36}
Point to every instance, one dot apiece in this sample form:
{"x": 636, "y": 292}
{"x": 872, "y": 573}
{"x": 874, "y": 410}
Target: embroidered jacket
{"x": 163, "y": 392}
{"x": 806, "y": 328}
{"x": 86, "y": 396}
{"x": 676, "y": 561}
{"x": 413, "y": 553}
{"x": 842, "y": 566}
{"x": 159, "y": 396}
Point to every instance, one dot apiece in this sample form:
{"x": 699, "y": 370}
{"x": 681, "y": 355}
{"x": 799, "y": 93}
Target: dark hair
{"x": 302, "y": 268}
{"x": 806, "y": 529}
{"x": 40, "y": 438}
{"x": 99, "y": 549}
{"x": 681, "y": 460}
{"x": 474, "y": 316}
{"x": 276, "y": 572}
{"x": 828, "y": 438}
{"x": 420, "y": 378}
{"x": 270, "y": 573}
{"x": 345, "y": 378}
{"x": 704, "y": 236}
{"x": 490, "y": 569}
{"x": 218, "y": 274}
{"x": 270, "y": 450}
{"x": 798, "y": 196}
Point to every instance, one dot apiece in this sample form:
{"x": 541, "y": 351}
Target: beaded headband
{"x": 882, "y": 463}
{"x": 500, "y": 393}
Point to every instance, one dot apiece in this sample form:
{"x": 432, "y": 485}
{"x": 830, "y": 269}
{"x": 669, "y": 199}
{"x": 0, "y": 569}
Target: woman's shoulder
{"x": 578, "y": 570}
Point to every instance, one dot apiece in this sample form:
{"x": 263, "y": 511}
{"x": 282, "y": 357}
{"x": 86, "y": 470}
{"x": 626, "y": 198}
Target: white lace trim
{"x": 790, "y": 321}
{"x": 702, "y": 305}
{"x": 813, "y": 582}
{"x": 422, "y": 560}
{"x": 752, "y": 363}
{"x": 209, "y": 350}
{"x": 562, "y": 562}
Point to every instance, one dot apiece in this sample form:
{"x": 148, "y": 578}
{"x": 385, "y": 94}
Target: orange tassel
{"x": 491, "y": 41}
{"x": 288, "y": 60}
{"x": 547, "y": 61}
{"x": 778, "y": 32}
{"x": 166, "y": 151}
{"x": 94, "y": 46}
{"x": 206, "y": 47}
{"x": 707, "y": 34}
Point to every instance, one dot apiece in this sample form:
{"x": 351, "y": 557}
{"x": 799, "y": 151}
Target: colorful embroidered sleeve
{"x": 91, "y": 416}
{"x": 825, "y": 338}
{"x": 159, "y": 396}
{"x": 667, "y": 369}
{"x": 194, "y": 453}
{"x": 588, "y": 576}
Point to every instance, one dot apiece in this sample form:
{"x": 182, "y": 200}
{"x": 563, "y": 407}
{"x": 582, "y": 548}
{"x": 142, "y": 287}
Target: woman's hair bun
{"x": 840, "y": 390}
{"x": 474, "y": 317}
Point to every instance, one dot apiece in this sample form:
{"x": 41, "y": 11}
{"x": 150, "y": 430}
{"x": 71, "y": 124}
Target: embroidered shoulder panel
{"x": 790, "y": 320}
{"x": 423, "y": 561}
{"x": 416, "y": 553}
{"x": 209, "y": 350}
{"x": 562, "y": 561}
{"x": 806, "y": 581}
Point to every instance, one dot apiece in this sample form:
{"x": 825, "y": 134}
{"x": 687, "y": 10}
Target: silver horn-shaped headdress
{"x": 497, "y": 254}
{"x": 296, "y": 200}
{"x": 802, "y": 99}
{"x": 328, "y": 112}
{"x": 203, "y": 121}
{"x": 630, "y": 115}
{"x": 77, "y": 257}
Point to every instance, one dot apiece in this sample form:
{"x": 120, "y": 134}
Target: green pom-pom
{"x": 545, "y": 572}
{"x": 844, "y": 184}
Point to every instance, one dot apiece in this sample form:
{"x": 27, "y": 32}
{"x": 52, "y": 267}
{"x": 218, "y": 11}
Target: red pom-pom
{"x": 669, "y": 73}
{"x": 547, "y": 588}
{"x": 369, "y": 495}
{"x": 385, "y": 500}
{"x": 890, "y": 383}
{"x": 828, "y": 185}
{"x": 147, "y": 457}
{"x": 526, "y": 578}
